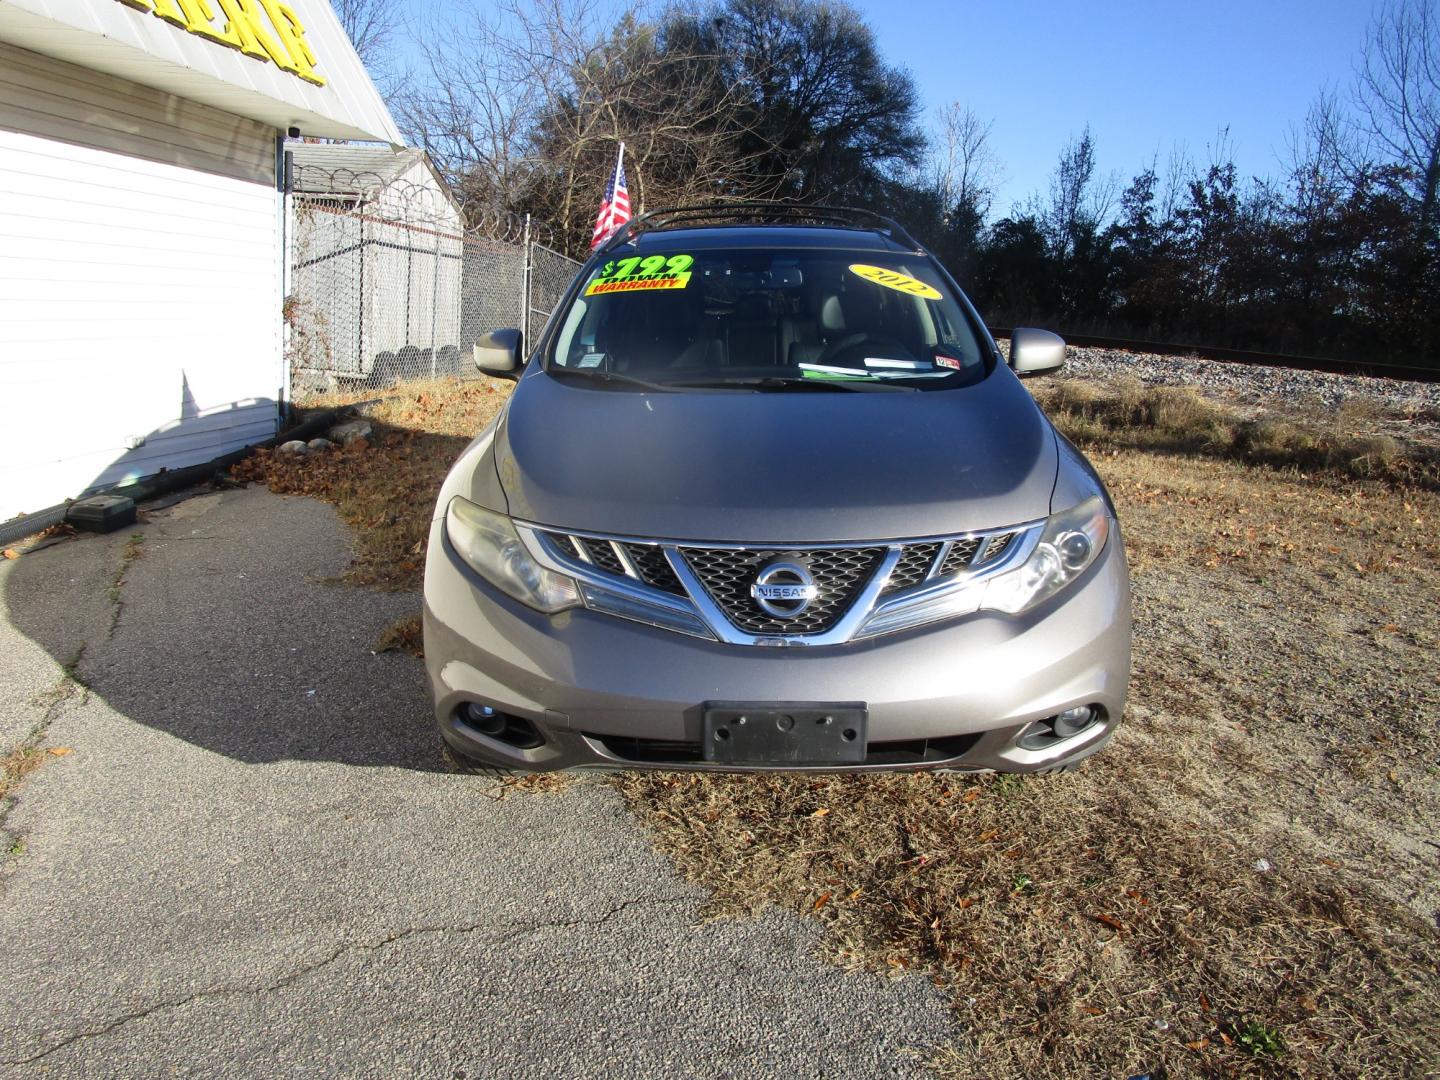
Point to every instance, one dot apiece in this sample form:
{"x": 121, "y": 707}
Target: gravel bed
{"x": 1248, "y": 383}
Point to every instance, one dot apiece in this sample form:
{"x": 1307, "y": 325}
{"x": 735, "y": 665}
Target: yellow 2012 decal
{"x": 637, "y": 274}
{"x": 892, "y": 280}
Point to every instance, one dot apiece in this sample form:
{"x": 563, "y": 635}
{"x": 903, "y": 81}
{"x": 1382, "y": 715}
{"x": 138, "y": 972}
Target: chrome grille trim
{"x": 565, "y": 551}
{"x": 624, "y": 556}
{"x": 840, "y": 573}
{"x": 917, "y": 562}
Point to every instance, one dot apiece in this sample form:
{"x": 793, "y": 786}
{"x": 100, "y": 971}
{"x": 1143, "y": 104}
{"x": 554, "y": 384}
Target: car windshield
{"x": 771, "y": 319}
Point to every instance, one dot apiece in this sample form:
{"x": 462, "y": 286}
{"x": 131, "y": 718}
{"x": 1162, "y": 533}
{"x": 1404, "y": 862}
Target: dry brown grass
{"x": 1112, "y": 921}
{"x": 1124, "y": 414}
{"x": 16, "y": 765}
{"x": 406, "y": 635}
{"x": 385, "y": 487}
{"x": 1079, "y": 925}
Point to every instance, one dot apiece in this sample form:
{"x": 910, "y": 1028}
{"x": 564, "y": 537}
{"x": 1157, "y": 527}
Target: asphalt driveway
{"x": 253, "y": 862}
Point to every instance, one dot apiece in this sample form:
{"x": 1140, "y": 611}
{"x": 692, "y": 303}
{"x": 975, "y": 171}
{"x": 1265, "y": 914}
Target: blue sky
{"x": 1144, "y": 76}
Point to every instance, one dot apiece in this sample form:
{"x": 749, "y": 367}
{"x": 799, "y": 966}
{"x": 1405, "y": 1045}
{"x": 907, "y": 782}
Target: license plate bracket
{"x": 785, "y": 732}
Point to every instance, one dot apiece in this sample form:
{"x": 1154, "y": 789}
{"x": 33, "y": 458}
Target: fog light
{"x": 484, "y": 719}
{"x": 1073, "y": 721}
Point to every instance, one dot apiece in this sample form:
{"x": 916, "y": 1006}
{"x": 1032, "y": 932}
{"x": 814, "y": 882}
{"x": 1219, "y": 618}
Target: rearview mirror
{"x": 1035, "y": 352}
{"x": 498, "y": 353}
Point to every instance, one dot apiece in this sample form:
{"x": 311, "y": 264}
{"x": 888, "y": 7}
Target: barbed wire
{"x": 417, "y": 203}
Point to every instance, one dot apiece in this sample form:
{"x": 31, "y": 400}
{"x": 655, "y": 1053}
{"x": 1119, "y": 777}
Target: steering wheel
{"x": 876, "y": 344}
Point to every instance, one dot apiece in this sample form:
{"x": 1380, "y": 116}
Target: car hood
{"x": 775, "y": 467}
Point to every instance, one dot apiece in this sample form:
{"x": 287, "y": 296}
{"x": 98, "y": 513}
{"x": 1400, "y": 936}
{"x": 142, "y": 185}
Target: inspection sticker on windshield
{"x": 892, "y": 280}
{"x": 642, "y": 275}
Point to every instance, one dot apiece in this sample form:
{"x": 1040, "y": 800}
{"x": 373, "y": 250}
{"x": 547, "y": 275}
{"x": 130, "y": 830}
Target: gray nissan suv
{"x": 767, "y": 496}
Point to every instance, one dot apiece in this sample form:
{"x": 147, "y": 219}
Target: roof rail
{"x": 761, "y": 213}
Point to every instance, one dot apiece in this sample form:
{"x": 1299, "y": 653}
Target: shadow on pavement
{"x": 212, "y": 620}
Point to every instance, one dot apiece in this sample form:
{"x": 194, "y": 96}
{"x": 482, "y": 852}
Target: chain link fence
{"x": 388, "y": 282}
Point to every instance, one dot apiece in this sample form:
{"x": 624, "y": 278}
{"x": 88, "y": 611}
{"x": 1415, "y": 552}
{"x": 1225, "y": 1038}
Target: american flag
{"x": 615, "y": 207}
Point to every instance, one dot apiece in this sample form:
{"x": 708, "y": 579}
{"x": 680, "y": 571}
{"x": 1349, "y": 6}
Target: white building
{"x": 142, "y": 246}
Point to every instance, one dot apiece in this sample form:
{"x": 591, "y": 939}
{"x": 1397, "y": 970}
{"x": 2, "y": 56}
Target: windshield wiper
{"x": 609, "y": 377}
{"x": 791, "y": 382}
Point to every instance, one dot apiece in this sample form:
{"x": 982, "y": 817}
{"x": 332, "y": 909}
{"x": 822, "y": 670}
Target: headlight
{"x": 1069, "y": 543}
{"x": 490, "y": 546}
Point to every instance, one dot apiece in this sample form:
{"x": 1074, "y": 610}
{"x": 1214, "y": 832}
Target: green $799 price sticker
{"x": 638, "y": 275}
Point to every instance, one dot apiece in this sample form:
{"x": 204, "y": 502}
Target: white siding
{"x": 140, "y": 259}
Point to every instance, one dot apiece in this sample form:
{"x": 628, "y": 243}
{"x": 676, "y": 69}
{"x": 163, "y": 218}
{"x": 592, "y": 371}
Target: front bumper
{"x": 593, "y": 685}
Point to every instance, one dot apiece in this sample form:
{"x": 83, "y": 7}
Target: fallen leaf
{"x": 824, "y": 899}
{"x": 1135, "y": 895}
{"x": 1204, "y": 1003}
{"x": 821, "y": 812}
{"x": 1333, "y": 864}
{"x": 1091, "y": 1010}
{"x": 1198, "y": 1044}
{"x": 964, "y": 902}
{"x": 1114, "y": 924}
{"x": 971, "y": 795}
{"x": 61, "y": 751}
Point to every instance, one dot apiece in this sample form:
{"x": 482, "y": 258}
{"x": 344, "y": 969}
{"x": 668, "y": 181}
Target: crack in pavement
{"x": 53, "y": 700}
{"x": 507, "y": 931}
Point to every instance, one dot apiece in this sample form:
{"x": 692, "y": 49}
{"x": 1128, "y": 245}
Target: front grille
{"x": 959, "y": 556}
{"x": 602, "y": 555}
{"x": 997, "y": 547}
{"x": 654, "y": 568}
{"x": 728, "y": 573}
{"x": 651, "y": 751}
{"x": 915, "y": 562}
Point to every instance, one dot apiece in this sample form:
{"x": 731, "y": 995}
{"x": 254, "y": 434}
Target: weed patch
{"x": 405, "y": 635}
{"x": 1123, "y": 414}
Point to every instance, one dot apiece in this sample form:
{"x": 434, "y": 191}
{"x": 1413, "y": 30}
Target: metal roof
{"x": 118, "y": 39}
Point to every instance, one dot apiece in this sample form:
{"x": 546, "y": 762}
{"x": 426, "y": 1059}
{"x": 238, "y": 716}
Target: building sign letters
{"x": 267, "y": 30}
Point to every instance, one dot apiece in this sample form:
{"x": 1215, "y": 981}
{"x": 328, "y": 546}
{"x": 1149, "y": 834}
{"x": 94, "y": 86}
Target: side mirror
{"x": 498, "y": 353}
{"x": 1035, "y": 352}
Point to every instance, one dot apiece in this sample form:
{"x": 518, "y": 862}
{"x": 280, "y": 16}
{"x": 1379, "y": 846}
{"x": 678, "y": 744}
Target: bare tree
{"x": 963, "y": 169}
{"x": 371, "y": 27}
{"x": 483, "y": 82}
{"x": 1080, "y": 201}
{"x": 1398, "y": 95}
{"x": 525, "y": 109}
{"x": 660, "y": 87}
